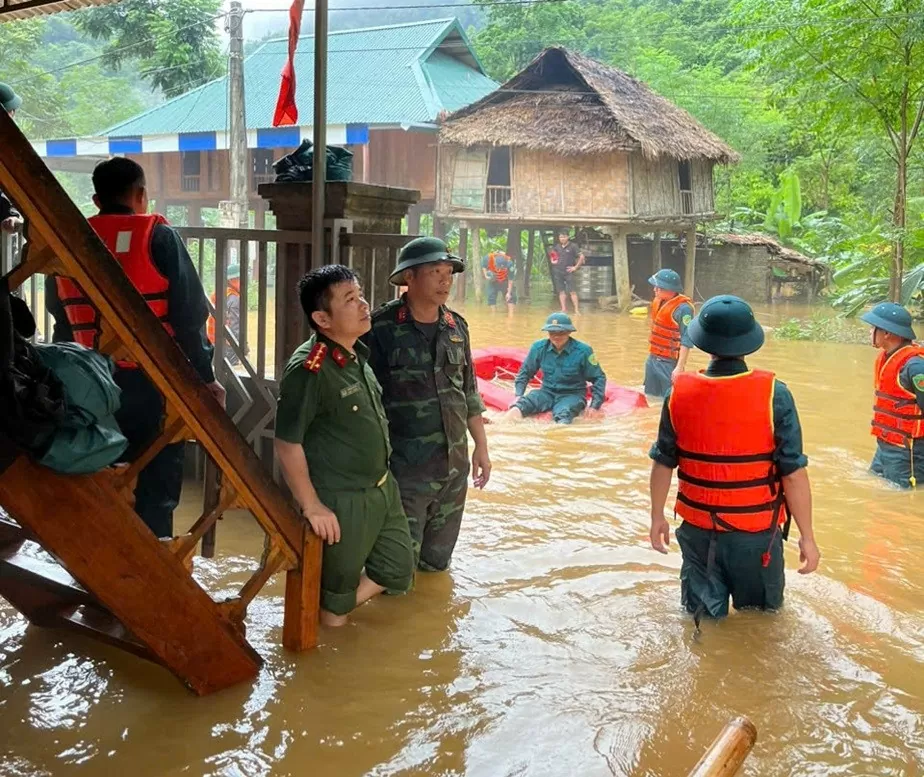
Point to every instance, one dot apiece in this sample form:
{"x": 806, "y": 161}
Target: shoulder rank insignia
{"x": 402, "y": 314}
{"x": 339, "y": 357}
{"x": 448, "y": 318}
{"x": 316, "y": 357}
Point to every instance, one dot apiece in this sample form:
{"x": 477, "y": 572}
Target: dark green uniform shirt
{"x": 330, "y": 403}
{"x": 787, "y": 432}
{"x": 429, "y": 390}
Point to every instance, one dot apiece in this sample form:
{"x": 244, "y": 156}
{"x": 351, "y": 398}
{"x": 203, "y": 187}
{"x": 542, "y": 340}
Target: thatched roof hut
{"x": 569, "y": 105}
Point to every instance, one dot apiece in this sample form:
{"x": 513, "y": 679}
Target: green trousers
{"x": 737, "y": 570}
{"x": 374, "y": 536}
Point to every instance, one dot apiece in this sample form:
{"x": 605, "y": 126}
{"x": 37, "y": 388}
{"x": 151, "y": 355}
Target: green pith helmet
{"x": 725, "y": 326}
{"x": 424, "y": 250}
{"x": 234, "y": 271}
{"x": 9, "y": 100}
{"x": 666, "y": 279}
{"x": 559, "y": 322}
{"x": 890, "y": 317}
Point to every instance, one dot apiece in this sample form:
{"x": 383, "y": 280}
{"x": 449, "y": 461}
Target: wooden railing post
{"x": 303, "y": 598}
{"x": 729, "y": 750}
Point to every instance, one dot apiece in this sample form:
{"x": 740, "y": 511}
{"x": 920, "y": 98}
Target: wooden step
{"x": 113, "y": 555}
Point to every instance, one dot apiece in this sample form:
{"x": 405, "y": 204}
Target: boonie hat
{"x": 9, "y": 100}
{"x": 725, "y": 326}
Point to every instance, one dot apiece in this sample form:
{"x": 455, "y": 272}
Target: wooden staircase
{"x": 113, "y": 579}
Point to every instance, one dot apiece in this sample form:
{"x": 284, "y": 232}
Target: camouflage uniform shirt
{"x": 429, "y": 391}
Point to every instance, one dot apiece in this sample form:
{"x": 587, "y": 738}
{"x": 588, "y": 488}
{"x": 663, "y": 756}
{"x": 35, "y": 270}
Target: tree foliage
{"x": 175, "y": 42}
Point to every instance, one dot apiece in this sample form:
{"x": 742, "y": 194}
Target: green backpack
{"x": 89, "y": 438}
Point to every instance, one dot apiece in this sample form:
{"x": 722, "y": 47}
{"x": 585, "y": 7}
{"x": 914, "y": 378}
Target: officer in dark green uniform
{"x": 421, "y": 354}
{"x": 332, "y": 443}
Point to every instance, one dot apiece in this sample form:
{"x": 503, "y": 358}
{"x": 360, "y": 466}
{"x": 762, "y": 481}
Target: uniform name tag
{"x": 350, "y": 390}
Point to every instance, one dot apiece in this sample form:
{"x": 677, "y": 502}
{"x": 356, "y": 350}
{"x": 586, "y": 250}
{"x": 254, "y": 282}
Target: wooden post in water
{"x": 524, "y": 280}
{"x": 621, "y": 269}
{"x": 477, "y": 278}
{"x": 656, "y": 253}
{"x": 469, "y": 267}
{"x": 729, "y": 750}
{"x": 689, "y": 270}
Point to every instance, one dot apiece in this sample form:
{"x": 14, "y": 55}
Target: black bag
{"x": 299, "y": 165}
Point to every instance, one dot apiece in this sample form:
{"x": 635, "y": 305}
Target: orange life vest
{"x": 725, "y": 444}
{"x": 499, "y": 275}
{"x": 896, "y": 415}
{"x": 128, "y": 239}
{"x": 664, "y": 340}
{"x": 234, "y": 288}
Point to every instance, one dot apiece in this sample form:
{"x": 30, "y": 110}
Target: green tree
{"x": 860, "y": 61}
{"x": 175, "y": 42}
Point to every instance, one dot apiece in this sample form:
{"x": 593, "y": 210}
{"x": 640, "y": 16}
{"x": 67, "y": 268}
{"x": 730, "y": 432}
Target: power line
{"x": 126, "y": 47}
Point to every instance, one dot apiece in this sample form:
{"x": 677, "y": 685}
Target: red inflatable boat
{"x": 493, "y": 365}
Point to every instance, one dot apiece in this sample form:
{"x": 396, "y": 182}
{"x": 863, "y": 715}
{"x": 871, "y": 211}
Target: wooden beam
{"x": 112, "y": 554}
{"x": 656, "y": 253}
{"x": 621, "y": 270}
{"x": 528, "y": 270}
{"x": 303, "y": 597}
{"x": 50, "y": 212}
{"x": 689, "y": 268}
{"x": 477, "y": 278}
{"x": 729, "y": 750}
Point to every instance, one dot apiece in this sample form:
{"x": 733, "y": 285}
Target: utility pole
{"x": 319, "y": 173}
{"x": 236, "y": 211}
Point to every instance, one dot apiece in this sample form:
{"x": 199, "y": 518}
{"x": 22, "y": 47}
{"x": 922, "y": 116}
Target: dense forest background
{"x": 823, "y": 99}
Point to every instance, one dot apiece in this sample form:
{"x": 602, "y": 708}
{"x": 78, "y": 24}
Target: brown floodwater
{"x": 556, "y": 644}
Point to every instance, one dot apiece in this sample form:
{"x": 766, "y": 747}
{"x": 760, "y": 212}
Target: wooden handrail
{"x": 729, "y": 750}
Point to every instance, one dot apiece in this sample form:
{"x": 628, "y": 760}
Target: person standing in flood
{"x": 332, "y": 444}
{"x": 898, "y": 409}
{"x": 499, "y": 271}
{"x": 158, "y": 265}
{"x": 566, "y": 258}
{"x": 421, "y": 353}
{"x": 668, "y": 344}
{"x": 734, "y": 435}
{"x": 567, "y": 366}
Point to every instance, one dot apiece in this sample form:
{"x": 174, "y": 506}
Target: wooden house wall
{"x": 703, "y": 194}
{"x": 399, "y": 158}
{"x": 591, "y": 186}
{"x": 655, "y": 185}
{"x": 446, "y": 163}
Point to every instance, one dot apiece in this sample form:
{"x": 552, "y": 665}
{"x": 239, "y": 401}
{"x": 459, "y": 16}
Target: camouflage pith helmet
{"x": 424, "y": 250}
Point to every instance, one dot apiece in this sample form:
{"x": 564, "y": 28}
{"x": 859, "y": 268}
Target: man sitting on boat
{"x": 567, "y": 366}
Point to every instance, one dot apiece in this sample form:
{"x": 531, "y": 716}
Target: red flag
{"x": 286, "y": 109}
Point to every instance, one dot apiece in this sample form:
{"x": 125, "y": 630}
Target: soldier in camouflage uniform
{"x": 421, "y": 354}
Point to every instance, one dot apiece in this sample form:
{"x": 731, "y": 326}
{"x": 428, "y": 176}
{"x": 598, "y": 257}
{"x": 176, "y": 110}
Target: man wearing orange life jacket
{"x": 898, "y": 410}
{"x": 734, "y": 434}
{"x": 156, "y": 261}
{"x": 499, "y": 270}
{"x": 668, "y": 343}
{"x": 232, "y": 312}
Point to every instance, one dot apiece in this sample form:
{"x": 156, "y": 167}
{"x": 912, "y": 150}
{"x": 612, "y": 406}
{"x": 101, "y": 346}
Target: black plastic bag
{"x": 299, "y": 165}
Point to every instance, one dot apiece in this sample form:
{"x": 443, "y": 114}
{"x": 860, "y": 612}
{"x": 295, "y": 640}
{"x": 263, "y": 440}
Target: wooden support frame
{"x": 203, "y": 654}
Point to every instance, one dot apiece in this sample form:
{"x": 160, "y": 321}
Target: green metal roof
{"x": 400, "y": 74}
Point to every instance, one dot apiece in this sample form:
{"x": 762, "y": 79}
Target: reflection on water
{"x": 556, "y": 645}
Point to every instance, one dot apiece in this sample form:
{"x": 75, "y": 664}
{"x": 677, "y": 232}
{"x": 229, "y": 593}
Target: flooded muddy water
{"x": 556, "y": 644}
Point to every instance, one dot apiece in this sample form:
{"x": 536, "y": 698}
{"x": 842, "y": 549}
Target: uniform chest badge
{"x": 348, "y": 391}
{"x": 454, "y": 338}
{"x": 316, "y": 357}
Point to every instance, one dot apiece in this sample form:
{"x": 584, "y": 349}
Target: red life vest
{"x": 725, "y": 444}
{"x": 664, "y": 340}
{"x": 896, "y": 415}
{"x": 128, "y": 239}
{"x": 499, "y": 275}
